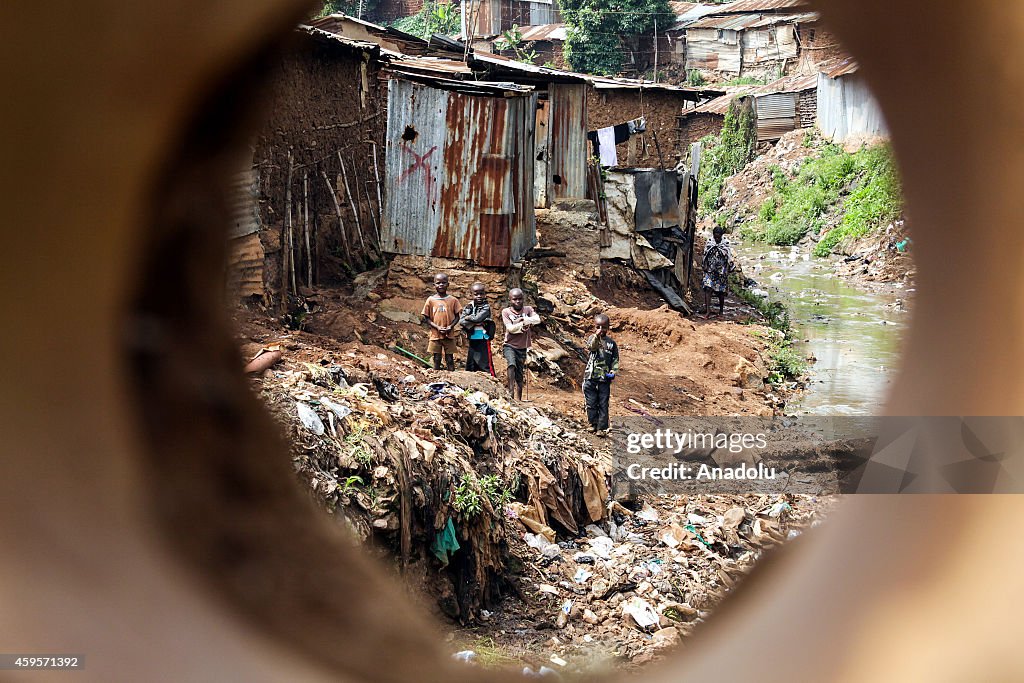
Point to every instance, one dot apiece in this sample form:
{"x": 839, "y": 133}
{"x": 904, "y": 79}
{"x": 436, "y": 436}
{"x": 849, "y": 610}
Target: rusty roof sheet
{"x": 445, "y": 68}
{"x": 491, "y": 88}
{"x": 742, "y": 22}
{"x": 720, "y": 105}
{"x": 332, "y": 21}
{"x": 743, "y": 6}
{"x": 544, "y": 32}
{"x": 694, "y": 14}
{"x": 334, "y": 38}
{"x": 528, "y": 71}
{"x": 681, "y": 8}
{"x": 839, "y": 67}
{"x": 609, "y": 83}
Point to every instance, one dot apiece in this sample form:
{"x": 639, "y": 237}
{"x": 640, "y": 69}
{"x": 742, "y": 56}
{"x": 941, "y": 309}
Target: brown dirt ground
{"x": 669, "y": 364}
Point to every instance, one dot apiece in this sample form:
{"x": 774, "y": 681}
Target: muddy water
{"x": 854, "y": 333}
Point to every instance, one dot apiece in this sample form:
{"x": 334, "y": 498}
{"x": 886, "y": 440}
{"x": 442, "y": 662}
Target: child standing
{"x": 479, "y": 328}
{"x": 717, "y": 264}
{"x": 440, "y": 312}
{"x": 517, "y": 319}
{"x": 602, "y": 364}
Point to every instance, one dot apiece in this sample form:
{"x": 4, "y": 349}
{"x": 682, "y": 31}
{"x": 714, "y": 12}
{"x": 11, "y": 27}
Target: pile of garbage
{"x": 635, "y": 584}
{"x": 436, "y": 473}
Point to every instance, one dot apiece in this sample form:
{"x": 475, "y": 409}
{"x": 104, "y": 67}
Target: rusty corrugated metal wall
{"x": 414, "y": 161}
{"x": 460, "y": 174}
{"x": 567, "y": 141}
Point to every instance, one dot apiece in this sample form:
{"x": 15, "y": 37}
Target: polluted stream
{"x": 853, "y": 332}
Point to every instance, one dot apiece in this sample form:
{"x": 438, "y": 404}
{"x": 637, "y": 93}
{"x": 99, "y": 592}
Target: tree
{"x": 512, "y": 41}
{"x": 435, "y": 17}
{"x": 349, "y": 7}
{"x": 597, "y": 31}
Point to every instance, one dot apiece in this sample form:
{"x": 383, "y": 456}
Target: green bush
{"x": 726, "y": 154}
{"x": 877, "y": 199}
{"x": 867, "y": 180}
{"x": 695, "y": 78}
{"x": 784, "y": 363}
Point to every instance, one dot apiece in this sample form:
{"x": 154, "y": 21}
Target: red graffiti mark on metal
{"x": 478, "y": 160}
{"x": 419, "y": 162}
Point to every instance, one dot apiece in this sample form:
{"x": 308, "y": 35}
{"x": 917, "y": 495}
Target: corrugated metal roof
{"x": 531, "y": 71}
{"x": 693, "y": 15}
{"x": 694, "y": 94}
{"x": 336, "y": 20}
{"x": 839, "y": 67}
{"x": 328, "y": 37}
{"x": 544, "y": 32}
{"x": 742, "y": 22}
{"x": 681, "y": 8}
{"x": 720, "y": 105}
{"x": 742, "y": 6}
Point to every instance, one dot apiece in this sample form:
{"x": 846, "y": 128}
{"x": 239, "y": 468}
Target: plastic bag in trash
{"x": 310, "y": 419}
{"x": 339, "y": 410}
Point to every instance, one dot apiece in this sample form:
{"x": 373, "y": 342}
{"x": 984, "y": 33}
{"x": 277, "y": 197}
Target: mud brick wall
{"x": 817, "y": 44}
{"x": 661, "y": 109}
{"x": 696, "y": 126}
{"x": 324, "y": 98}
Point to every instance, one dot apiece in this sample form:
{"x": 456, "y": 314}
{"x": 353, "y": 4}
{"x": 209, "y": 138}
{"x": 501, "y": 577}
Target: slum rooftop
{"x": 446, "y": 59}
{"x": 742, "y": 15}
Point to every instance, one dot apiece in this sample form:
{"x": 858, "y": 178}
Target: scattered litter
{"x": 310, "y": 419}
{"x": 641, "y": 612}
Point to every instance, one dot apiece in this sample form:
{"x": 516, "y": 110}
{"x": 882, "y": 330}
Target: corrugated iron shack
{"x": 488, "y": 18}
{"x": 561, "y": 124}
{"x": 460, "y": 164}
{"x": 650, "y": 223}
{"x": 846, "y": 107}
{"x": 779, "y": 107}
{"x": 746, "y": 38}
{"x": 548, "y": 41}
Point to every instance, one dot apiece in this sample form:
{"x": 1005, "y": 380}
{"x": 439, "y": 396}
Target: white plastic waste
{"x": 602, "y": 547}
{"x": 341, "y": 411}
{"x": 310, "y": 419}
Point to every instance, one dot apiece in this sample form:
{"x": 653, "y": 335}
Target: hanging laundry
{"x": 606, "y": 146}
{"x": 621, "y": 133}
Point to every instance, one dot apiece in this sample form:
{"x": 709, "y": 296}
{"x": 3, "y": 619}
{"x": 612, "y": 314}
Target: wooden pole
{"x": 305, "y": 228}
{"x": 341, "y": 220}
{"x": 655, "y": 48}
{"x": 369, "y": 204}
{"x": 289, "y": 220}
{"x": 353, "y": 202}
{"x": 380, "y": 199}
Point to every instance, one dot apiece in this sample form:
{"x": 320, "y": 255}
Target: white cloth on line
{"x": 606, "y": 146}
